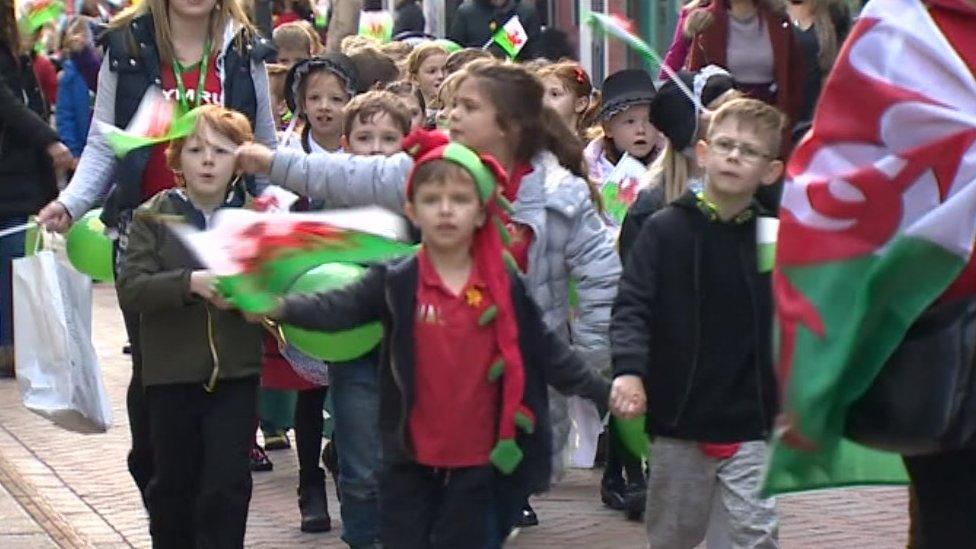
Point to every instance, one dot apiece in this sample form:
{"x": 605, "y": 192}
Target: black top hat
{"x": 624, "y": 89}
{"x": 337, "y": 63}
{"x": 674, "y": 114}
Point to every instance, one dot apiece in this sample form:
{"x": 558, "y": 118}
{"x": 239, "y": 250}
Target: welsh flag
{"x": 41, "y": 13}
{"x": 157, "y": 120}
{"x": 621, "y": 188}
{"x": 377, "y": 25}
{"x": 511, "y": 37}
{"x": 878, "y": 221}
{"x": 257, "y": 256}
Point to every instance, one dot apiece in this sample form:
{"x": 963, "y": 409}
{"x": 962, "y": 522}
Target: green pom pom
{"x": 524, "y": 422}
{"x": 506, "y": 456}
{"x": 496, "y": 370}
{"x": 487, "y": 316}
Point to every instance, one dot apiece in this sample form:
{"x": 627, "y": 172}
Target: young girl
{"x": 316, "y": 91}
{"x": 162, "y": 43}
{"x": 296, "y": 41}
{"x": 425, "y": 67}
{"x": 556, "y": 231}
{"x": 570, "y": 93}
{"x": 200, "y": 364}
{"x": 464, "y": 413}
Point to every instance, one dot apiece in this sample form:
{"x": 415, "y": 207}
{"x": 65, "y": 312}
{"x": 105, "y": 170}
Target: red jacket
{"x": 711, "y": 46}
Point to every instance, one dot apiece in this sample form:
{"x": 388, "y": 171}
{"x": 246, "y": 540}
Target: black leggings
{"x": 944, "y": 486}
{"x": 308, "y": 435}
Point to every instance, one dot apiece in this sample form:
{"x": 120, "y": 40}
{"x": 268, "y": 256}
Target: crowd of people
{"x": 528, "y": 295}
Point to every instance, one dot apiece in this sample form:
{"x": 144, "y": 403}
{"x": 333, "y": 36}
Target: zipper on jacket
{"x": 211, "y": 384}
{"x": 697, "y": 343}
{"x": 747, "y": 265}
{"x": 402, "y": 423}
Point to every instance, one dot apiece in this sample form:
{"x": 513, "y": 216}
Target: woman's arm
{"x": 97, "y": 164}
{"x": 264, "y": 124}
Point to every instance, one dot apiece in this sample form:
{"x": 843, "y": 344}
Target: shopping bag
{"x": 57, "y": 369}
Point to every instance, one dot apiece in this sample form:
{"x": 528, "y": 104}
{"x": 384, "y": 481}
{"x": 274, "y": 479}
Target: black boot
{"x": 314, "y": 507}
{"x": 635, "y": 499}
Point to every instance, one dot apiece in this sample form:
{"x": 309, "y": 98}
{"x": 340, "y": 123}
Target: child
{"x": 625, "y": 118}
{"x": 681, "y": 124}
{"x": 200, "y": 364}
{"x": 74, "y": 105}
{"x": 557, "y": 233}
{"x": 413, "y": 99}
{"x": 295, "y": 41}
{"x": 570, "y": 93}
{"x": 317, "y": 91}
{"x": 374, "y": 123}
{"x": 466, "y": 359}
{"x": 691, "y": 331}
{"x": 425, "y": 67}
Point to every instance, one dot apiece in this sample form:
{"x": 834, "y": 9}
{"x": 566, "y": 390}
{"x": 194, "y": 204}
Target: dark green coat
{"x": 184, "y": 338}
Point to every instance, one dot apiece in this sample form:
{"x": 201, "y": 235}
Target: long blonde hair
{"x": 671, "y": 170}
{"x": 224, "y": 12}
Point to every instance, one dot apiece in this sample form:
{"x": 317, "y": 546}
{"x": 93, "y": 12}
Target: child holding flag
{"x": 200, "y": 364}
{"x": 699, "y": 346}
{"x": 465, "y": 349}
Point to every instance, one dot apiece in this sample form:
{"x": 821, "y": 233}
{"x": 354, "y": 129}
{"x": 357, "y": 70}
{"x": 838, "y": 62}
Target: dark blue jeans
{"x": 11, "y": 247}
{"x": 356, "y": 401}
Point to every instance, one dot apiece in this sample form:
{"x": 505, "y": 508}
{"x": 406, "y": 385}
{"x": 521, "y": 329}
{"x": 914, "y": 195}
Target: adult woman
{"x": 752, "y": 39}
{"x": 820, "y": 27}
{"x": 30, "y": 151}
{"x": 197, "y": 52}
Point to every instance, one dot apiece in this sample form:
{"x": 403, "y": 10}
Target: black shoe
{"x": 613, "y": 493}
{"x": 259, "y": 460}
{"x": 635, "y": 499}
{"x": 528, "y": 518}
{"x": 314, "y": 508}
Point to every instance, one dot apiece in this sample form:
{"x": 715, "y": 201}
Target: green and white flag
{"x": 157, "y": 120}
{"x": 878, "y": 220}
{"x": 511, "y": 37}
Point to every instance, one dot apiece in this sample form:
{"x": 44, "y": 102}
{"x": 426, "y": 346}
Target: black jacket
{"x": 475, "y": 21}
{"x": 409, "y": 18}
{"x": 27, "y": 179}
{"x": 133, "y": 55}
{"x": 693, "y": 318}
{"x": 388, "y": 293}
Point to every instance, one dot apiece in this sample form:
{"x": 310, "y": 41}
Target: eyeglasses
{"x": 747, "y": 152}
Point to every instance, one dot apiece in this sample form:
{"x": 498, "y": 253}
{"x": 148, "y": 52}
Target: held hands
{"x": 254, "y": 158}
{"x": 698, "y": 20}
{"x": 627, "y": 398}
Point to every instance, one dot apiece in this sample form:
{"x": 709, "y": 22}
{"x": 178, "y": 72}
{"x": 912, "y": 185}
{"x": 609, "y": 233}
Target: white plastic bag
{"x": 57, "y": 368}
{"x": 584, "y": 431}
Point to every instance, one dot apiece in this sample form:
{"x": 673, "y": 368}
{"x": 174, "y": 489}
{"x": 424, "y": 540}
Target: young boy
{"x": 691, "y": 331}
{"x": 374, "y": 123}
{"x": 200, "y": 364}
{"x": 466, "y": 359}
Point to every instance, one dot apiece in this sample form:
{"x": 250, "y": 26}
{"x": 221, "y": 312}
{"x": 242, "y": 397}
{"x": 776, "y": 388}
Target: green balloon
{"x": 331, "y": 346}
{"x": 631, "y": 435}
{"x": 89, "y": 250}
{"x": 449, "y": 46}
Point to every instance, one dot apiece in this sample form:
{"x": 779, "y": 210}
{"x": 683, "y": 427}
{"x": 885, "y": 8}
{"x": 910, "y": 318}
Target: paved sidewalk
{"x": 69, "y": 489}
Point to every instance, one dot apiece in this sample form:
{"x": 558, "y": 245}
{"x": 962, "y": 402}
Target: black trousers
{"x": 201, "y": 485}
{"x": 944, "y": 487}
{"x": 140, "y": 459}
{"x": 308, "y": 436}
{"x": 427, "y": 508}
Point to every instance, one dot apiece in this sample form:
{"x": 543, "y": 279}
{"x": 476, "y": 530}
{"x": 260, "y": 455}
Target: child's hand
{"x": 203, "y": 284}
{"x": 627, "y": 398}
{"x": 254, "y": 158}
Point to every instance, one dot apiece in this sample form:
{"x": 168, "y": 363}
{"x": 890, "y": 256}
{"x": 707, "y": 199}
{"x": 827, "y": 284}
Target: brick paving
{"x": 73, "y": 489}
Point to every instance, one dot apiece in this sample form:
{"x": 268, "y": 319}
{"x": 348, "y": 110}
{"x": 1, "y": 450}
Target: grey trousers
{"x": 681, "y": 488}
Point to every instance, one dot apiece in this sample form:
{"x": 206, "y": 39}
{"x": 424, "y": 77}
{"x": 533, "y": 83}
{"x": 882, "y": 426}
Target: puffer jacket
{"x": 570, "y": 239}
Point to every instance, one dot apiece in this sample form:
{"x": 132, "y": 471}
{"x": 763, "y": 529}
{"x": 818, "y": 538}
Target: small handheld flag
{"x": 621, "y": 188}
{"x": 156, "y": 121}
{"x": 511, "y": 37}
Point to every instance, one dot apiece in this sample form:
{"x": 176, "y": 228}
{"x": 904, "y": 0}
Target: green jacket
{"x": 184, "y": 338}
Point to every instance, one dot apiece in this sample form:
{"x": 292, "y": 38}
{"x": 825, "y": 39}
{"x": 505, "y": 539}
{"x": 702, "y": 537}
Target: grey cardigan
{"x": 570, "y": 240}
